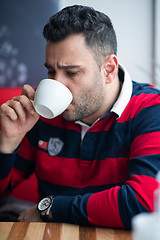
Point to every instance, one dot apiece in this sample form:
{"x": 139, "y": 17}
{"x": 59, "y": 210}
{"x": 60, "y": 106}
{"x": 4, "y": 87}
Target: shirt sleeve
{"x": 7, "y": 162}
{"x": 14, "y": 168}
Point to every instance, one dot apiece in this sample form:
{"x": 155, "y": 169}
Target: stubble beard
{"x": 86, "y": 103}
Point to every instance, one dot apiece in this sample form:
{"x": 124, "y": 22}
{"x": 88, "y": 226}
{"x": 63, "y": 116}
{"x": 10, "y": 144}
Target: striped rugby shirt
{"x": 103, "y": 179}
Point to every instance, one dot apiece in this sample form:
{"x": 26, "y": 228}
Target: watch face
{"x": 44, "y": 204}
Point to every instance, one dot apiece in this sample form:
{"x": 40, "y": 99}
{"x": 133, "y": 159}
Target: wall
{"x": 132, "y": 22}
{"x": 22, "y": 46}
{"x": 157, "y": 68}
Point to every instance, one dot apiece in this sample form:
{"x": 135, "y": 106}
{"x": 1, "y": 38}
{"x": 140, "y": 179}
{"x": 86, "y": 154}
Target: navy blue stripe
{"x": 150, "y": 123}
{"x": 149, "y": 165}
{"x": 139, "y": 88}
{"x": 24, "y": 165}
{"x": 7, "y": 162}
{"x": 113, "y": 143}
{"x": 100, "y": 145}
{"x": 47, "y": 188}
{"x": 128, "y": 205}
{"x": 71, "y": 209}
{"x": 33, "y": 135}
{"x": 96, "y": 145}
{"x": 71, "y": 138}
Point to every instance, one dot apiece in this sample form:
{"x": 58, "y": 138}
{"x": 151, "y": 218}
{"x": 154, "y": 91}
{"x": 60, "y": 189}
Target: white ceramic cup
{"x": 51, "y": 98}
{"x": 146, "y": 226}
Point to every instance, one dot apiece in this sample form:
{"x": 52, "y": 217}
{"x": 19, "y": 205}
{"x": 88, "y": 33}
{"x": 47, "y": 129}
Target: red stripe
{"x": 60, "y": 122}
{"x": 27, "y": 189}
{"x": 151, "y": 85}
{"x": 15, "y": 176}
{"x": 102, "y": 209}
{"x": 102, "y": 125}
{"x": 76, "y": 173}
{"x": 143, "y": 187}
{"x": 137, "y": 103}
{"x": 4, "y": 185}
{"x": 146, "y": 144}
{"x": 26, "y": 150}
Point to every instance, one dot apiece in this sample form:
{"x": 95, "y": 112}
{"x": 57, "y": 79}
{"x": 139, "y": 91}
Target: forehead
{"x": 73, "y": 48}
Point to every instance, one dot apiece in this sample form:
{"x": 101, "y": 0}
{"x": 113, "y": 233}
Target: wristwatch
{"x": 44, "y": 207}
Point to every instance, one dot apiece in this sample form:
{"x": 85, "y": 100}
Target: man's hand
{"x": 30, "y": 215}
{"x": 17, "y": 118}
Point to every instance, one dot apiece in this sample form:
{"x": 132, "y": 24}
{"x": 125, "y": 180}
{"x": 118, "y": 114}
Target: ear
{"x": 110, "y": 68}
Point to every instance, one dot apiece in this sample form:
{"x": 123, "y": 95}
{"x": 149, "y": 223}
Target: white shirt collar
{"x": 125, "y": 94}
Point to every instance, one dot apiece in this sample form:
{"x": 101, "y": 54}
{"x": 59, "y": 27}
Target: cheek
{"x": 84, "y": 96}
{"x": 77, "y": 90}
{"x": 84, "y": 84}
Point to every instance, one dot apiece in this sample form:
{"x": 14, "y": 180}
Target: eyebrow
{"x": 61, "y": 67}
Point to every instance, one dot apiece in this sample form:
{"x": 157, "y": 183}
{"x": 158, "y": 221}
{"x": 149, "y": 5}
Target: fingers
{"x": 28, "y": 91}
{"x": 30, "y": 215}
{"x": 20, "y": 218}
{"x": 23, "y": 217}
{"x": 18, "y": 107}
{"x": 21, "y": 106}
{"x": 24, "y": 102}
{"x": 8, "y": 111}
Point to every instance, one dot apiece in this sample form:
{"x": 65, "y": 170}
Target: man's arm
{"x": 17, "y": 118}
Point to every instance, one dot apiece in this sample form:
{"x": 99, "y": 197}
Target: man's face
{"x": 73, "y": 63}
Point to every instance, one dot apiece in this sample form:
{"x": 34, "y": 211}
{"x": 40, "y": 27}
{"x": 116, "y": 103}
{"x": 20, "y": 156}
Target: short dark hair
{"x": 95, "y": 26}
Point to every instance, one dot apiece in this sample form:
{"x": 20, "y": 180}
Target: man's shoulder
{"x": 144, "y": 94}
{"x": 144, "y": 88}
{"x": 145, "y": 97}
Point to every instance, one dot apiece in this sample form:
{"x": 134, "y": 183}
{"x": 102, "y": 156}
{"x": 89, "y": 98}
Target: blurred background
{"x": 22, "y": 46}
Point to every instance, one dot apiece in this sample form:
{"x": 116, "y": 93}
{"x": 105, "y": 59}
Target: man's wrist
{"x": 44, "y": 208}
{"x": 8, "y": 145}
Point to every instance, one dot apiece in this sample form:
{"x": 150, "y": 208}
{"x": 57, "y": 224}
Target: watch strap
{"x": 45, "y": 215}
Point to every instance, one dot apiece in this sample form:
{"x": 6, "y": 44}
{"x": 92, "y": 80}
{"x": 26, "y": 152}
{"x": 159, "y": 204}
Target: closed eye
{"x": 51, "y": 73}
{"x": 71, "y": 73}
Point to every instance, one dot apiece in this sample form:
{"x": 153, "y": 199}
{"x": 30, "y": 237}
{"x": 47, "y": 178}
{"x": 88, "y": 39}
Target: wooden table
{"x": 58, "y": 231}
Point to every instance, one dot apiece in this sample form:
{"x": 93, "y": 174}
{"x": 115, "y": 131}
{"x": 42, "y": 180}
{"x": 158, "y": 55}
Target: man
{"x": 108, "y": 138}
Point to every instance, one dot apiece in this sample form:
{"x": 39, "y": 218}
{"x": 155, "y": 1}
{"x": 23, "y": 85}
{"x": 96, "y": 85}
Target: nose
{"x": 62, "y": 79}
